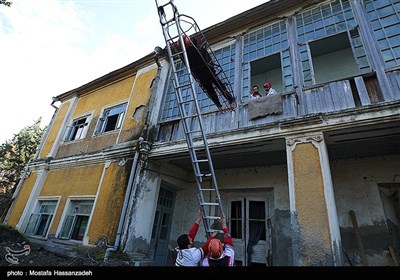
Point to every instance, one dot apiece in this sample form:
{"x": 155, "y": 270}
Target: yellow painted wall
{"x": 104, "y": 96}
{"x": 72, "y": 181}
{"x": 94, "y": 103}
{"x": 21, "y": 199}
{"x": 55, "y": 128}
{"x": 109, "y": 204}
{"x": 310, "y": 203}
{"x": 132, "y": 128}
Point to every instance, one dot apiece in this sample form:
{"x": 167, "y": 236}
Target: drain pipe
{"x": 126, "y": 201}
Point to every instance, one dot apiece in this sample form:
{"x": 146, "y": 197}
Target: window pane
{"x": 31, "y": 224}
{"x": 384, "y": 19}
{"x": 112, "y": 118}
{"x": 67, "y": 227}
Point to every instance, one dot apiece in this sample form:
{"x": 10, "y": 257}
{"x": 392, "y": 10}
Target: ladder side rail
{"x": 166, "y": 25}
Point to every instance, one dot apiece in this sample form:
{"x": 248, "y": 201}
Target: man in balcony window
{"x": 268, "y": 89}
{"x": 255, "y": 94}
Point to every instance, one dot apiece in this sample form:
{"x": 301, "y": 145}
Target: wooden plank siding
{"x": 394, "y": 80}
{"x": 331, "y": 97}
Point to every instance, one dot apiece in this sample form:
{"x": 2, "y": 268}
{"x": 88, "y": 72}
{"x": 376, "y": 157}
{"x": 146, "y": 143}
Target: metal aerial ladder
{"x": 175, "y": 26}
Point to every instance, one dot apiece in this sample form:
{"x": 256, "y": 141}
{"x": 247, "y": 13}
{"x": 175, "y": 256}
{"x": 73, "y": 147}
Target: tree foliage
{"x": 4, "y": 2}
{"x": 14, "y": 156}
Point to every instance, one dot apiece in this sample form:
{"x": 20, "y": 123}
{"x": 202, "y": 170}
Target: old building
{"x": 312, "y": 181}
{"x": 73, "y": 191}
{"x": 297, "y": 174}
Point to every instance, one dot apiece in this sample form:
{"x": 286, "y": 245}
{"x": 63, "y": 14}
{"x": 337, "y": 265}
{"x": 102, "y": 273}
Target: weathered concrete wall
{"x": 246, "y": 181}
{"x": 141, "y": 213}
{"x": 312, "y": 215}
{"x": 54, "y": 129}
{"x": 139, "y": 98}
{"x": 356, "y": 188}
{"x": 70, "y": 182}
{"x": 110, "y": 199}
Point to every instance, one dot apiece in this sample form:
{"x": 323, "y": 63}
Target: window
{"x": 333, "y": 59}
{"x": 170, "y": 110}
{"x": 76, "y": 220}
{"x": 77, "y": 130}
{"x": 266, "y": 57}
{"x": 39, "y": 222}
{"x": 236, "y": 219}
{"x": 325, "y": 21}
{"x": 267, "y": 69}
{"x": 384, "y": 19}
{"x": 112, "y": 119}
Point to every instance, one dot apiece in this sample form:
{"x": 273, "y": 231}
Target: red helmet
{"x": 215, "y": 248}
{"x": 267, "y": 84}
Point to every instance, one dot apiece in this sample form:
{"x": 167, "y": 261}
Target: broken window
{"x": 333, "y": 59}
{"x": 76, "y": 219}
{"x": 330, "y": 46}
{"x": 39, "y": 223}
{"x": 77, "y": 130}
{"x": 111, "y": 119}
{"x": 384, "y": 19}
{"x": 267, "y": 69}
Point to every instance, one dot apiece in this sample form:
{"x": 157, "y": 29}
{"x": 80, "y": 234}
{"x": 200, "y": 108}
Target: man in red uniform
{"x": 187, "y": 254}
{"x": 220, "y": 254}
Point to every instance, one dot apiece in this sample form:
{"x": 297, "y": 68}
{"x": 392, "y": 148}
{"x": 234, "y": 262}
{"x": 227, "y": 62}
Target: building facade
{"x": 313, "y": 181}
{"x": 73, "y": 191}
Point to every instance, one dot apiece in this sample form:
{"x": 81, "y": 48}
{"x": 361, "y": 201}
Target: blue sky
{"x": 48, "y": 47}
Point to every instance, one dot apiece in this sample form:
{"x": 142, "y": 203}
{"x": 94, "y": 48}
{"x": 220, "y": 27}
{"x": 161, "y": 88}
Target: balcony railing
{"x": 324, "y": 98}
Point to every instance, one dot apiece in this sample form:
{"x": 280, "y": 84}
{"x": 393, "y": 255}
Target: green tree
{"x": 4, "y": 2}
{"x": 14, "y": 156}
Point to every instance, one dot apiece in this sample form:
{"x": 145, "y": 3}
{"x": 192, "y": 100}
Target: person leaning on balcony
{"x": 188, "y": 255}
{"x": 268, "y": 89}
{"x": 255, "y": 94}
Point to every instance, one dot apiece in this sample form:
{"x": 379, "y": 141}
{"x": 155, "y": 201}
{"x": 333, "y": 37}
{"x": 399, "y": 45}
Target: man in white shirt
{"x": 268, "y": 89}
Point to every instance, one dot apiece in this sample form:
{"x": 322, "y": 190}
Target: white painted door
{"x": 249, "y": 229}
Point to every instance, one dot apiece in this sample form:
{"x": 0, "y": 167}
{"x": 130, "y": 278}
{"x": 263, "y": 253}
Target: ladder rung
{"x": 207, "y": 190}
{"x": 186, "y": 101}
{"x": 212, "y": 217}
{"x": 201, "y": 160}
{"x": 190, "y": 116}
{"x": 203, "y": 175}
{"x": 182, "y": 86}
{"x": 212, "y": 230}
{"x": 193, "y": 131}
{"x": 210, "y": 203}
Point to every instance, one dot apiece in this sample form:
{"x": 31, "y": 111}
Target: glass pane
{"x": 31, "y": 224}
{"x": 236, "y": 210}
{"x": 257, "y": 210}
{"x": 67, "y": 227}
{"x": 43, "y": 225}
{"x": 80, "y": 227}
{"x": 163, "y": 233}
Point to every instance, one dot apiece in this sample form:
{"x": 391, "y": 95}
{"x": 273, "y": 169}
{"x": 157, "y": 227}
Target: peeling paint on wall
{"x": 311, "y": 206}
{"x": 21, "y": 200}
{"x": 54, "y": 130}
